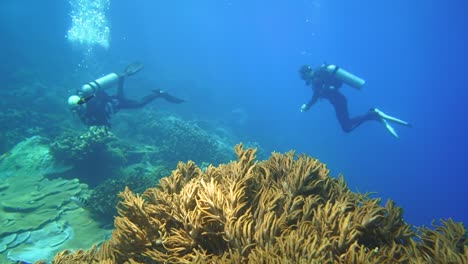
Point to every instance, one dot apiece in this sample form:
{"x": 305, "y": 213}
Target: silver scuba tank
{"x": 345, "y": 76}
{"x": 100, "y": 84}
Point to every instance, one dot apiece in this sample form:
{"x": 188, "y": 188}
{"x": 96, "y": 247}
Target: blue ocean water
{"x": 237, "y": 62}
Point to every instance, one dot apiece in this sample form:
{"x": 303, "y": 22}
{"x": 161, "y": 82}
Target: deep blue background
{"x": 228, "y": 57}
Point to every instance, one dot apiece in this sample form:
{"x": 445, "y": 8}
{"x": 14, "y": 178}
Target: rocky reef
{"x": 109, "y": 163}
{"x": 29, "y": 108}
{"x": 286, "y": 209}
{"x": 95, "y": 155}
{"x": 173, "y": 139}
{"x": 103, "y": 200}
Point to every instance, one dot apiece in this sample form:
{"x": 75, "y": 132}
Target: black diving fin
{"x": 172, "y": 99}
{"x": 168, "y": 97}
{"x": 133, "y": 68}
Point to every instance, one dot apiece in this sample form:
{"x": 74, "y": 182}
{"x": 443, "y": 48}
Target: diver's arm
{"x": 311, "y": 102}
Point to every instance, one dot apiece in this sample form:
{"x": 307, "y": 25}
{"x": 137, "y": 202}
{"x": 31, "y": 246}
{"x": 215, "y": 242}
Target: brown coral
{"x": 283, "y": 210}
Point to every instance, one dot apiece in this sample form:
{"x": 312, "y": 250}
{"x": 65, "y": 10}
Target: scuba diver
{"x": 95, "y": 107}
{"x": 326, "y": 82}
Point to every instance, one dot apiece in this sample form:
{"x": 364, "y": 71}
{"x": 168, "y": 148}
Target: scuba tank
{"x": 345, "y": 76}
{"x": 100, "y": 84}
{"x": 89, "y": 90}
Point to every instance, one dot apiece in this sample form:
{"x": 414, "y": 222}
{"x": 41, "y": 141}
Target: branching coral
{"x": 283, "y": 210}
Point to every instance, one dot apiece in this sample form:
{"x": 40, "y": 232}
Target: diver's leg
{"x": 120, "y": 91}
{"x": 128, "y": 104}
{"x": 340, "y": 104}
{"x": 359, "y": 120}
{"x": 129, "y": 70}
{"x": 132, "y": 104}
{"x": 374, "y": 114}
{"x": 349, "y": 124}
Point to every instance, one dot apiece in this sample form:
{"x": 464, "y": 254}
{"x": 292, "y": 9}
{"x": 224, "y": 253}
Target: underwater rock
{"x": 29, "y": 157}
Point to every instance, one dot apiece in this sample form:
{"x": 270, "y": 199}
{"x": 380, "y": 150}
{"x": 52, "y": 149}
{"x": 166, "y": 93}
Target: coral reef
{"x": 104, "y": 197}
{"x": 96, "y": 141}
{"x": 286, "y": 209}
{"x": 174, "y": 139}
{"x": 97, "y": 154}
{"x": 29, "y": 108}
{"x": 39, "y": 219}
{"x": 30, "y": 157}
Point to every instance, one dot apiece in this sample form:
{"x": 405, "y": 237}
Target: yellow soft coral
{"x": 283, "y": 210}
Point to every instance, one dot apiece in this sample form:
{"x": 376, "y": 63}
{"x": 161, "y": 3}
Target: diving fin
{"x": 386, "y": 118}
{"x": 391, "y": 118}
{"x": 389, "y": 128}
{"x": 133, "y": 68}
{"x": 169, "y": 97}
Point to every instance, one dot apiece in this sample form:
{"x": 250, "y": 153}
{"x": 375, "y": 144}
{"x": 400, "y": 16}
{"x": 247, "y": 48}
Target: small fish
{"x": 80, "y": 201}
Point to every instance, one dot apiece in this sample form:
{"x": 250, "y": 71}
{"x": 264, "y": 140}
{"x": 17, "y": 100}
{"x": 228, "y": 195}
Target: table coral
{"x": 38, "y": 218}
{"x": 286, "y": 209}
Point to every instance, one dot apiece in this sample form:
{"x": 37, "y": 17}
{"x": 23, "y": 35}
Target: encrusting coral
{"x": 283, "y": 210}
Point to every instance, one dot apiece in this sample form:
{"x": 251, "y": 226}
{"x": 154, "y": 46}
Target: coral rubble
{"x": 286, "y": 209}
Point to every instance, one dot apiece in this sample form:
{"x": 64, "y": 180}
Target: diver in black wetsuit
{"x": 326, "y": 82}
{"x": 95, "y": 107}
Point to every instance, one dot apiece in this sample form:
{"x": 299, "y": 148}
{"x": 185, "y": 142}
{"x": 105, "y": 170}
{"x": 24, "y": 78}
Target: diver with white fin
{"x": 326, "y": 82}
{"x": 95, "y": 107}
{"x": 386, "y": 118}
